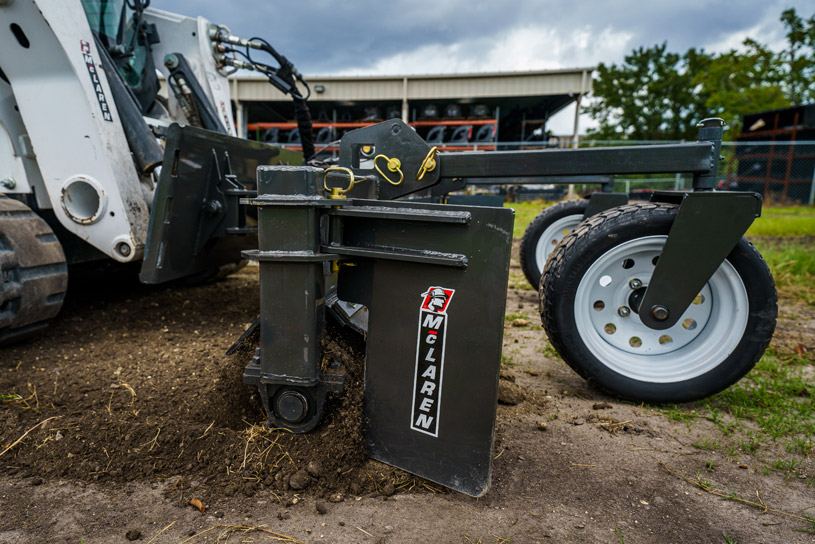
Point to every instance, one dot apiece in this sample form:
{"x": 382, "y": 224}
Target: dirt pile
{"x": 146, "y": 393}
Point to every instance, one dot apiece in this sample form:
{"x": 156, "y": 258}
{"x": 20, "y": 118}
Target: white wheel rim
{"x": 705, "y": 335}
{"x": 552, "y": 236}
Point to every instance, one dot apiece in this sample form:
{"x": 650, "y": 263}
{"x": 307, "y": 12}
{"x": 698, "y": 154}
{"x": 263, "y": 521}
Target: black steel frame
{"x": 707, "y": 227}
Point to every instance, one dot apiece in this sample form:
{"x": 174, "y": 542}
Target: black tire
{"x": 33, "y": 272}
{"x": 583, "y": 346}
{"x": 570, "y": 211}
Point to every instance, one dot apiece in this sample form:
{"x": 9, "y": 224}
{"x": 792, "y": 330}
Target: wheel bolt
{"x": 624, "y": 311}
{"x": 660, "y": 313}
{"x": 635, "y": 284}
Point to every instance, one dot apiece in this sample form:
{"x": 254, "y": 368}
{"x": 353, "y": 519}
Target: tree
{"x": 656, "y": 95}
{"x": 650, "y": 96}
{"x": 799, "y": 57}
{"x": 736, "y": 83}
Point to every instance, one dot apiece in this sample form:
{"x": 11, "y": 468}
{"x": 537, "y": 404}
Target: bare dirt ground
{"x": 129, "y": 410}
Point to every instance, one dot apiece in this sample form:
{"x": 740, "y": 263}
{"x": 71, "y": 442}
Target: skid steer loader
{"x": 85, "y": 141}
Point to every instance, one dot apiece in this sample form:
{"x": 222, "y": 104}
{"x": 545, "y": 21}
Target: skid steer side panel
{"x": 197, "y": 225}
{"x": 434, "y": 338}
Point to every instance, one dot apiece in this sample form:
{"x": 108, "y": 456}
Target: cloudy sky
{"x": 327, "y": 37}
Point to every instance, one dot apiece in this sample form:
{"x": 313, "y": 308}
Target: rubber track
{"x": 33, "y": 272}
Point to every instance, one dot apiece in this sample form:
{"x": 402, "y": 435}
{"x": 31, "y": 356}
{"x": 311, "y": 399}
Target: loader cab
{"x": 120, "y": 29}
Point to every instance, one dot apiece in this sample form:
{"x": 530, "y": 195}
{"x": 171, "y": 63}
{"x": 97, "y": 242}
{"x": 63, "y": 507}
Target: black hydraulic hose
{"x": 285, "y": 78}
{"x": 303, "y": 117}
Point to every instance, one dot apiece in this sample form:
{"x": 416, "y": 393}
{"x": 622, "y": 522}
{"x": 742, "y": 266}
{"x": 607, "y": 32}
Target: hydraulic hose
{"x": 304, "y": 125}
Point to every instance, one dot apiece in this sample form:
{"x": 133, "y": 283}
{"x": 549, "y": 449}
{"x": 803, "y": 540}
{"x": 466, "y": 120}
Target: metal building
{"x": 455, "y": 111}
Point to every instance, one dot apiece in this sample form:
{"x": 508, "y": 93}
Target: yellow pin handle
{"x": 394, "y": 165}
{"x": 428, "y": 164}
{"x": 338, "y": 192}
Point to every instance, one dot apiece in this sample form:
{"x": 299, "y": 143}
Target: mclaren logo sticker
{"x": 430, "y": 360}
{"x": 93, "y": 71}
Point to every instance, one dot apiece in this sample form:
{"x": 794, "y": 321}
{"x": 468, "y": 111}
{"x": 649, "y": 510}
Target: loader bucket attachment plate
{"x": 197, "y": 226}
{"x": 436, "y": 314}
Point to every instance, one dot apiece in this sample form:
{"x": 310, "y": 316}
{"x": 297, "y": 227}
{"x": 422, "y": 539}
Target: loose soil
{"x": 132, "y": 410}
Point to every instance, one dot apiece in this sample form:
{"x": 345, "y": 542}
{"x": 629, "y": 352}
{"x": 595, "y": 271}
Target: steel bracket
{"x": 393, "y": 139}
{"x": 706, "y": 229}
{"x": 433, "y": 279}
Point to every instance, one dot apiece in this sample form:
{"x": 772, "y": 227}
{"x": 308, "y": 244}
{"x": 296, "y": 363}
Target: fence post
{"x": 812, "y": 188}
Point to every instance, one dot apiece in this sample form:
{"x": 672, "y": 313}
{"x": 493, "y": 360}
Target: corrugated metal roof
{"x": 423, "y": 87}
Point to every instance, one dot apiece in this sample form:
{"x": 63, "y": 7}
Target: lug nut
{"x": 635, "y": 284}
{"x": 624, "y": 311}
{"x": 660, "y": 313}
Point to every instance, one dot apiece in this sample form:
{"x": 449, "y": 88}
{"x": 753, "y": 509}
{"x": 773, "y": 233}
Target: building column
{"x": 575, "y": 136}
{"x": 405, "y": 110}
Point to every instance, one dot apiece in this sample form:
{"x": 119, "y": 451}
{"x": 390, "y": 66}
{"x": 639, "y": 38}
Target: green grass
{"x": 507, "y": 360}
{"x": 776, "y": 397}
{"x": 810, "y": 528}
{"x": 791, "y": 261}
{"x": 783, "y": 222}
{"x": 797, "y": 221}
{"x": 525, "y": 212}
{"x": 773, "y": 404}
{"x": 707, "y": 445}
{"x": 518, "y": 281}
{"x": 793, "y": 266}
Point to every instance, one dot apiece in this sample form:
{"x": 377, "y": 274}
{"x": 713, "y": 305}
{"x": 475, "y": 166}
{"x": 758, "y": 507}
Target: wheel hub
{"x": 622, "y": 282}
{"x": 708, "y": 330}
{"x": 635, "y": 299}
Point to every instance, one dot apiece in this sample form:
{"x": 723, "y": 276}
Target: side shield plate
{"x": 434, "y": 341}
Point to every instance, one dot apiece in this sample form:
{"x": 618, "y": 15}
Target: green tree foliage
{"x": 799, "y": 57}
{"x": 737, "y": 83}
{"x": 650, "y": 96}
{"x": 656, "y": 94}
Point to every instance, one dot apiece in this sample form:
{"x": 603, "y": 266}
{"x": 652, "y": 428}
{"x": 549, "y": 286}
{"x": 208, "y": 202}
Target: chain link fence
{"x": 782, "y": 172}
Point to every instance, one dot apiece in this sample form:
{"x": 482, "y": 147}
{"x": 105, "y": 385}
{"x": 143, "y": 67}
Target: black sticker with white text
{"x": 430, "y": 360}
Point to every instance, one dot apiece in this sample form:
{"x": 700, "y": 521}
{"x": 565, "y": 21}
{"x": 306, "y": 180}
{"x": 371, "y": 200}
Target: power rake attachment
{"x": 661, "y": 301}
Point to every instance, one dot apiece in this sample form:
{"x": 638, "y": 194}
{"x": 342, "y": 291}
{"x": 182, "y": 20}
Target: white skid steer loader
{"x": 84, "y": 132}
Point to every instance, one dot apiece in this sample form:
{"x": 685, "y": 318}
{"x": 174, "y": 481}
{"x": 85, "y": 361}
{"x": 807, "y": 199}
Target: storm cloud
{"x": 421, "y": 36}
